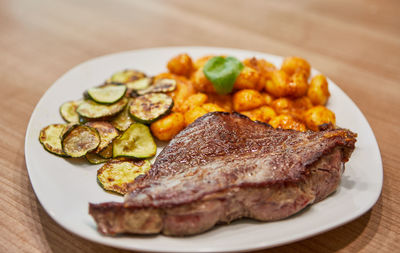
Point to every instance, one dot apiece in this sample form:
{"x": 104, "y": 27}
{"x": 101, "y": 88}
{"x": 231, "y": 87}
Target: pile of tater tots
{"x": 284, "y": 97}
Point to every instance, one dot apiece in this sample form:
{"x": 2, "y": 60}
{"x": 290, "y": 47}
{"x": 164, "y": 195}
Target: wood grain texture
{"x": 355, "y": 43}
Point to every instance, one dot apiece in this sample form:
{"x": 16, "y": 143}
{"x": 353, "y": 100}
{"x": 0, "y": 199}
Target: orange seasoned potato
{"x": 210, "y": 107}
{"x": 298, "y": 85}
{"x": 193, "y": 114}
{"x": 267, "y": 98}
{"x": 318, "y": 91}
{"x": 184, "y": 89}
{"x": 263, "y": 67}
{"x": 263, "y": 114}
{"x": 300, "y": 106}
{"x": 167, "y": 127}
{"x": 245, "y": 100}
{"x": 282, "y": 106}
{"x": 302, "y": 103}
{"x": 201, "y": 83}
{"x": 283, "y": 85}
{"x": 282, "y": 97}
{"x": 287, "y": 122}
{"x": 199, "y": 63}
{"x": 224, "y": 101}
{"x": 247, "y": 79}
{"x": 167, "y": 75}
{"x": 278, "y": 84}
{"x": 319, "y": 115}
{"x": 181, "y": 65}
{"x": 293, "y": 65}
{"x": 193, "y": 100}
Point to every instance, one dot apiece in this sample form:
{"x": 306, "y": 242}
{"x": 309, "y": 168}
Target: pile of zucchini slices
{"x": 109, "y": 125}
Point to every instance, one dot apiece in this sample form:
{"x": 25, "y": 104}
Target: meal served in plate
{"x": 248, "y": 140}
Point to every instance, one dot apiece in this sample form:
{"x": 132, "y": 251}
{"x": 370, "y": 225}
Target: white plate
{"x": 64, "y": 187}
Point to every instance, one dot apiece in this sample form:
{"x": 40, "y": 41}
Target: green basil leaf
{"x": 222, "y": 73}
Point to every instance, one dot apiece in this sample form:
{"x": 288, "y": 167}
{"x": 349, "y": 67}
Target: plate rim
{"x": 115, "y": 243}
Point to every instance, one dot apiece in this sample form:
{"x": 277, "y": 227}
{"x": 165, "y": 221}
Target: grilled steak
{"x": 224, "y": 167}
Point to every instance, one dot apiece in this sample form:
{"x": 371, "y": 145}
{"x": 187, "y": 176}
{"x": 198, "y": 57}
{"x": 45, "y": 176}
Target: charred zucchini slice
{"x": 79, "y": 140}
{"x": 106, "y": 131}
{"x": 161, "y": 86}
{"x": 139, "y": 84}
{"x": 68, "y": 111}
{"x": 117, "y": 173}
{"x": 50, "y": 137}
{"x": 126, "y": 76}
{"x": 95, "y": 158}
{"x": 107, "y": 152}
{"x": 123, "y": 120}
{"x": 135, "y": 142}
{"x": 150, "y": 107}
{"x": 91, "y": 110}
{"x": 107, "y": 94}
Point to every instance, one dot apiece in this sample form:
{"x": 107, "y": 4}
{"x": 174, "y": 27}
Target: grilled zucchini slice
{"x": 79, "y": 140}
{"x": 68, "y": 111}
{"x": 107, "y": 94}
{"x": 95, "y": 158}
{"x": 50, "y": 138}
{"x": 106, "y": 131}
{"x": 117, "y": 173}
{"x": 161, "y": 86}
{"x": 135, "y": 142}
{"x": 107, "y": 152}
{"x": 89, "y": 109}
{"x": 123, "y": 120}
{"x": 150, "y": 107}
{"x": 140, "y": 84}
{"x": 126, "y": 76}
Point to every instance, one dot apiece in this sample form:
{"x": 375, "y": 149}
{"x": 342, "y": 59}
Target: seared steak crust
{"x": 224, "y": 167}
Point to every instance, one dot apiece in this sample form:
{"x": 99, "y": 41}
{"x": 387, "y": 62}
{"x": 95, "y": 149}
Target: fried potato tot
{"x": 267, "y": 98}
{"x": 167, "y": 75}
{"x": 282, "y": 105}
{"x": 284, "y": 85}
{"x": 210, "y": 107}
{"x": 184, "y": 89}
{"x": 193, "y": 114}
{"x": 298, "y": 85}
{"x": 224, "y": 101}
{"x": 181, "y": 65}
{"x": 247, "y": 99}
{"x": 264, "y": 114}
{"x": 277, "y": 86}
{"x": 199, "y": 63}
{"x": 201, "y": 83}
{"x": 247, "y": 79}
{"x": 293, "y": 65}
{"x": 264, "y": 69}
{"x": 318, "y": 91}
{"x": 319, "y": 115}
{"x": 192, "y": 101}
{"x": 302, "y": 103}
{"x": 287, "y": 122}
{"x": 300, "y": 106}
{"x": 167, "y": 127}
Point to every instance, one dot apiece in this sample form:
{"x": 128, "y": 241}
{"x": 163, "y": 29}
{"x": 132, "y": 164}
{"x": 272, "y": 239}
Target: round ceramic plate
{"x": 64, "y": 187}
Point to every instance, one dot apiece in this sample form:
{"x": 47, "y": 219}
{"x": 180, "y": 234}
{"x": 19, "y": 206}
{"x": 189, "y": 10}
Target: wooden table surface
{"x": 355, "y": 43}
